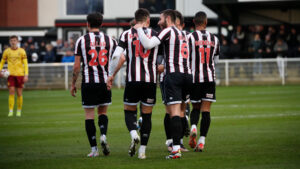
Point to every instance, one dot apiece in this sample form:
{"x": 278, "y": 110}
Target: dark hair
{"x": 141, "y": 15}
{"x": 13, "y": 36}
{"x": 171, "y": 13}
{"x": 95, "y": 19}
{"x": 200, "y": 18}
{"x": 179, "y": 16}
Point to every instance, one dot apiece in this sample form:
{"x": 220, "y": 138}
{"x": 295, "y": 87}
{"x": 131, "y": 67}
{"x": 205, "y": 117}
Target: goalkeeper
{"x": 18, "y": 68}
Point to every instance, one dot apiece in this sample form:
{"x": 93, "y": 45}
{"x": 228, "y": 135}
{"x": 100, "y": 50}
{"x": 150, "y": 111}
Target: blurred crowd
{"x": 254, "y": 41}
{"x": 44, "y": 52}
{"x": 260, "y": 42}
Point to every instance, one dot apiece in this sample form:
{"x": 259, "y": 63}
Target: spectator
{"x": 282, "y": 33}
{"x": 240, "y": 35}
{"x": 257, "y": 46}
{"x": 32, "y": 51}
{"x": 42, "y": 49}
{"x": 225, "y": 50}
{"x": 58, "y": 46}
{"x": 68, "y": 57}
{"x": 272, "y": 33}
{"x": 25, "y": 46}
{"x": 268, "y": 47}
{"x": 257, "y": 49}
{"x": 65, "y": 48}
{"x": 50, "y": 55}
{"x": 30, "y": 41}
{"x": 249, "y": 36}
{"x": 235, "y": 49}
{"x": 292, "y": 41}
{"x": 280, "y": 48}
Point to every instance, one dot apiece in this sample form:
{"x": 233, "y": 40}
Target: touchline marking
{"x": 256, "y": 116}
{"x": 255, "y": 106}
{"x": 214, "y": 117}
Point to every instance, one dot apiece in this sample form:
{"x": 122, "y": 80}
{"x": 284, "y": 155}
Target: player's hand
{"x": 73, "y": 90}
{"x": 109, "y": 82}
{"x": 160, "y": 68}
{"x": 25, "y": 79}
{"x": 138, "y": 25}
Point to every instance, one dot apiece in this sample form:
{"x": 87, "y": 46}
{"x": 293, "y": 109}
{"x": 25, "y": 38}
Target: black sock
{"x": 195, "y": 114}
{"x": 167, "y": 126}
{"x": 187, "y": 110}
{"x": 91, "y": 131}
{"x": 183, "y": 124}
{"x": 130, "y": 119}
{"x": 205, "y": 123}
{"x": 145, "y": 128}
{"x": 103, "y": 123}
{"x": 176, "y": 129}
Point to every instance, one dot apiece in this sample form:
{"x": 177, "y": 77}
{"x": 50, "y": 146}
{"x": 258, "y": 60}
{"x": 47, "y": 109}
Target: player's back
{"x": 95, "y": 50}
{"x": 204, "y": 49}
{"x": 176, "y": 50}
{"x": 141, "y": 63}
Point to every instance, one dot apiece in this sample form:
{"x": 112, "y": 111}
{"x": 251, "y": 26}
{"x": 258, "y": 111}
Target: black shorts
{"x": 136, "y": 92}
{"x": 94, "y": 95}
{"x": 203, "y": 91}
{"x": 177, "y": 88}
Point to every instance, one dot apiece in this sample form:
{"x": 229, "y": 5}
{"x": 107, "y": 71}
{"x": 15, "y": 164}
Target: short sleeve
{"x": 122, "y": 40}
{"x": 78, "y": 51}
{"x": 164, "y": 34}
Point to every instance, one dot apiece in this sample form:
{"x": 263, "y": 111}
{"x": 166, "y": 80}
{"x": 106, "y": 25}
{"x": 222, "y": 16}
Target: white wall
{"x": 120, "y": 8}
{"x": 191, "y": 7}
{"x": 48, "y": 11}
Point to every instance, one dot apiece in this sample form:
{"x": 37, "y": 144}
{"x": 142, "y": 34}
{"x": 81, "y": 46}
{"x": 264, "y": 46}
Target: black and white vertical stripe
{"x": 98, "y": 73}
{"x": 139, "y": 69}
{"x": 173, "y": 40}
{"x": 203, "y": 72}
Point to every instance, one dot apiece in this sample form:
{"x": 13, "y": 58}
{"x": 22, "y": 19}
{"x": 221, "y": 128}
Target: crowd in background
{"x": 45, "y": 52}
{"x": 254, "y": 41}
{"x": 260, "y": 42}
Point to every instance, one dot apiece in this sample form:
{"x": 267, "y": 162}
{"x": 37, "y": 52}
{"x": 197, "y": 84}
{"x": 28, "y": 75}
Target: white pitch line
{"x": 256, "y": 116}
{"x": 255, "y": 106}
{"x": 214, "y": 117}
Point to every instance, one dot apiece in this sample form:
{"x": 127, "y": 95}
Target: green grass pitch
{"x": 256, "y": 127}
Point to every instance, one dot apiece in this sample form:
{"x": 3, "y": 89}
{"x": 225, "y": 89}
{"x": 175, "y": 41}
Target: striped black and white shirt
{"x": 141, "y": 63}
{"x": 176, "y": 50}
{"x": 95, "y": 50}
{"x": 205, "y": 48}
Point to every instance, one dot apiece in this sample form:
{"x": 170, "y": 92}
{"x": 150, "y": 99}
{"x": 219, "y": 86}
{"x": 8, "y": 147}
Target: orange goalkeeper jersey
{"x": 16, "y": 61}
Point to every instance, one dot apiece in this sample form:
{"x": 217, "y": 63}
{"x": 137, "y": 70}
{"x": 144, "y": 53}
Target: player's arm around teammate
{"x": 140, "y": 81}
{"x": 177, "y": 70}
{"x": 18, "y": 68}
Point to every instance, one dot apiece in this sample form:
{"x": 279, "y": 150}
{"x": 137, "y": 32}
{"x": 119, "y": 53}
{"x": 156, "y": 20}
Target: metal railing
{"x": 228, "y": 72}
